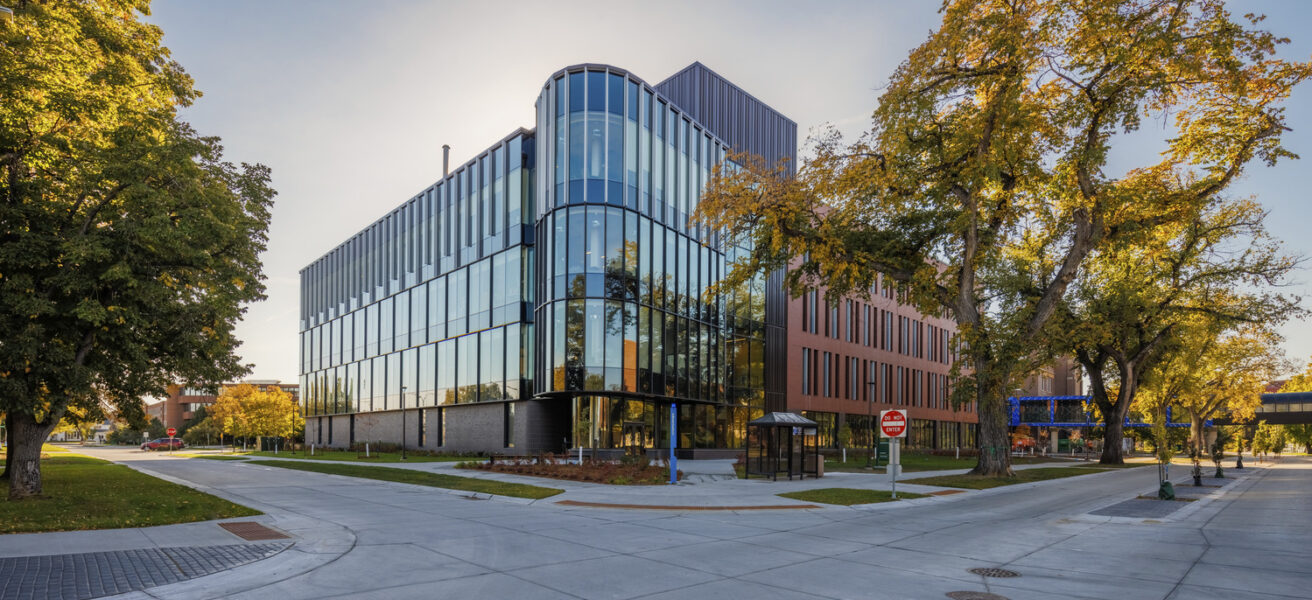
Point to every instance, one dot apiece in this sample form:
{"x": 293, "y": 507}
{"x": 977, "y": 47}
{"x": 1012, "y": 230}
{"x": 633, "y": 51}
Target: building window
{"x": 806, "y": 371}
{"x": 847, "y": 323}
{"x": 827, "y": 388}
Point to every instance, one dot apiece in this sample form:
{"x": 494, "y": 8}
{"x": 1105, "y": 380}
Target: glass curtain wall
{"x": 626, "y": 321}
{"x": 431, "y": 298}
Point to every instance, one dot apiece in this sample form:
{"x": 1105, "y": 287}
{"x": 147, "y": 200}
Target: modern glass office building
{"x": 551, "y": 293}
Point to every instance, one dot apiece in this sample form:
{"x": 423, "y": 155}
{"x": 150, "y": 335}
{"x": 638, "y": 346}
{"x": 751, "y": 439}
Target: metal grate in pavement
{"x": 993, "y": 572}
{"x": 975, "y": 596}
{"x": 96, "y": 574}
{"x": 252, "y": 531}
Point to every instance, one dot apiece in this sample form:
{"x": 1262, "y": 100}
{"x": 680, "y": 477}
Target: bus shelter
{"x": 783, "y": 443}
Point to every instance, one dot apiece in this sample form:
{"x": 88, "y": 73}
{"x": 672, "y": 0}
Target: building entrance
{"x": 634, "y": 437}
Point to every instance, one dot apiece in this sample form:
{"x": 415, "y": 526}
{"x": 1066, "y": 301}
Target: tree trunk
{"x": 994, "y": 438}
{"x": 24, "y": 462}
{"x": 9, "y": 445}
{"x": 1112, "y": 440}
{"x": 1196, "y": 433}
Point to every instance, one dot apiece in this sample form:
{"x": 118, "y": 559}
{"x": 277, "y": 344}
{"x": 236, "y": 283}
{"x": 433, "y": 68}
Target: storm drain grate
{"x": 251, "y": 531}
{"x": 975, "y": 596}
{"x": 993, "y": 572}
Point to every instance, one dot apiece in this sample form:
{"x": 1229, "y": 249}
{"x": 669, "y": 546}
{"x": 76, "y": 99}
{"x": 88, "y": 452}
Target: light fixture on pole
{"x": 403, "y": 426}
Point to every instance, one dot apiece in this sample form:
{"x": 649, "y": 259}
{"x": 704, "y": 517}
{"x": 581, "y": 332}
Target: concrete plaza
{"x": 368, "y": 539}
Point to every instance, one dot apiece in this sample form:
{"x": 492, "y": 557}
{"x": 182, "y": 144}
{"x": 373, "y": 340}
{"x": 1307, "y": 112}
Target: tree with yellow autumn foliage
{"x": 246, "y": 411}
{"x": 984, "y": 182}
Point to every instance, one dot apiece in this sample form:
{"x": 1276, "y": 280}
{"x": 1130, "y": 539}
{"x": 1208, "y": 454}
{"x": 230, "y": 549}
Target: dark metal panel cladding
{"x": 776, "y": 342}
{"x": 738, "y": 118}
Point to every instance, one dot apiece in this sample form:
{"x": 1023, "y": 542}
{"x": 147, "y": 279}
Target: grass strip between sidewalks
{"x": 212, "y": 456}
{"x": 353, "y": 456}
{"x": 916, "y": 461}
{"x": 847, "y": 496}
{"x": 439, "y": 480}
{"x": 89, "y": 493}
{"x": 980, "y": 482}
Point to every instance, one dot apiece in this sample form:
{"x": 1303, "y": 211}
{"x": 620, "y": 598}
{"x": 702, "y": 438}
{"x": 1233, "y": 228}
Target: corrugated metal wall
{"x": 746, "y": 123}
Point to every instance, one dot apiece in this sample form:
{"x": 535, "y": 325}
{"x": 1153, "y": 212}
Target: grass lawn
{"x": 979, "y": 482}
{"x": 89, "y": 493}
{"x": 847, "y": 496}
{"x": 353, "y": 456}
{"x": 212, "y": 456}
{"x": 914, "y": 461}
{"x": 451, "y": 482}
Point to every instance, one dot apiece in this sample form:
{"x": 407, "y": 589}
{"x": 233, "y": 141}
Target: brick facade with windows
{"x": 857, "y": 356}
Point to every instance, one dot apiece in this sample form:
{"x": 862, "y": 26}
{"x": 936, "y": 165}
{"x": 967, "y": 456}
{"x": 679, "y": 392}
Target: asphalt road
{"x": 368, "y": 539}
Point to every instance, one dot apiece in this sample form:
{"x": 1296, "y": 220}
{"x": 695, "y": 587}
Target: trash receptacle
{"x": 816, "y": 462}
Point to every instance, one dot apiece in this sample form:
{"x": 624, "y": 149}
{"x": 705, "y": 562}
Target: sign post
{"x": 893, "y": 425}
{"x": 171, "y": 431}
{"x": 674, "y": 426}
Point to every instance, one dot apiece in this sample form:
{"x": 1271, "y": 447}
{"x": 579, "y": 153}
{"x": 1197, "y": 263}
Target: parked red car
{"x": 162, "y": 444}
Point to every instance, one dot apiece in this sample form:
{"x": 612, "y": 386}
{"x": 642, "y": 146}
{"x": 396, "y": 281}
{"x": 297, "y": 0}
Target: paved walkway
{"x": 96, "y": 574}
{"x": 367, "y": 539}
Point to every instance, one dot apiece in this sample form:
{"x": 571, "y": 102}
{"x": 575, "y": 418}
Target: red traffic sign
{"x": 893, "y": 423}
{"x": 172, "y": 432}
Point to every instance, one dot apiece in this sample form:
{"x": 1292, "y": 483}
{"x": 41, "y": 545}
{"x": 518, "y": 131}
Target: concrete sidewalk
{"x": 140, "y": 558}
{"x": 404, "y": 541}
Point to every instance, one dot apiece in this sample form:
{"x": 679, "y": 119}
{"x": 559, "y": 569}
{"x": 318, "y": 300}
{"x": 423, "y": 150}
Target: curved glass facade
{"x": 555, "y": 274}
{"x": 625, "y": 322}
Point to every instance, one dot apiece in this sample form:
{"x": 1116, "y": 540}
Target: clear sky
{"x": 349, "y": 103}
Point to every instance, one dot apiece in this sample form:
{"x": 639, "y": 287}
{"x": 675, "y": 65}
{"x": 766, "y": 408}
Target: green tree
{"x": 1262, "y": 439}
{"x": 202, "y": 433}
{"x": 127, "y": 246}
{"x": 1300, "y": 434}
{"x": 984, "y": 182}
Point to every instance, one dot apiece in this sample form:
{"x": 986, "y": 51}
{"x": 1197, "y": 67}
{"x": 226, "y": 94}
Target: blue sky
{"x": 349, "y": 103}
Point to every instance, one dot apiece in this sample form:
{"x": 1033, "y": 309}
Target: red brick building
{"x": 853, "y": 358}
{"x": 183, "y": 401}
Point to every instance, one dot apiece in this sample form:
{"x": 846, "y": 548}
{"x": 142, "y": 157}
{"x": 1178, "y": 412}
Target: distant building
{"x": 1061, "y": 377}
{"x": 98, "y": 433}
{"x": 183, "y": 401}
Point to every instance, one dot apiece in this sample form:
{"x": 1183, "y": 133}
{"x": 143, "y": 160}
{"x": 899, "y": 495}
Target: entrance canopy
{"x": 783, "y": 442}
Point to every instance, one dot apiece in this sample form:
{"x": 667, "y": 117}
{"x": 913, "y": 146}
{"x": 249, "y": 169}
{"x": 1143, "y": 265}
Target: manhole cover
{"x": 975, "y": 596}
{"x": 992, "y": 572}
{"x": 250, "y": 530}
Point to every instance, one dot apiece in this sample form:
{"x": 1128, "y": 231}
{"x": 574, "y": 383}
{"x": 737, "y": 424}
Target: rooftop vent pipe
{"x": 446, "y": 160}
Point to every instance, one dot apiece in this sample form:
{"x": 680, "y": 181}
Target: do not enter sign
{"x": 893, "y": 423}
{"x": 172, "y": 431}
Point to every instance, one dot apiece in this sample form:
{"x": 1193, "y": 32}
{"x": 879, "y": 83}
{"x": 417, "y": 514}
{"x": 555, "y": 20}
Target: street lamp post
{"x": 870, "y": 425}
{"x": 403, "y": 425}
